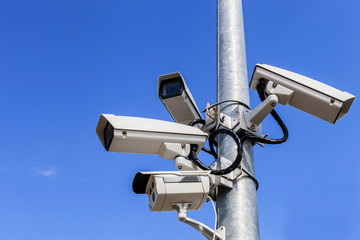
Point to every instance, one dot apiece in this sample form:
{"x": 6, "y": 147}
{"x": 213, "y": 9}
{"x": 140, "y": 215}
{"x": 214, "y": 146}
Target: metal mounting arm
{"x": 202, "y": 228}
{"x": 276, "y": 94}
{"x": 257, "y": 115}
{"x": 183, "y": 164}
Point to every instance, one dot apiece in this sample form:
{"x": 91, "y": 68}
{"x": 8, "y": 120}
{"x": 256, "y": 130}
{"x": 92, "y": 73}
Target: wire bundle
{"x": 239, "y": 138}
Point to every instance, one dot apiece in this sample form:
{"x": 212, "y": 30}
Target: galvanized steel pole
{"x": 237, "y": 208}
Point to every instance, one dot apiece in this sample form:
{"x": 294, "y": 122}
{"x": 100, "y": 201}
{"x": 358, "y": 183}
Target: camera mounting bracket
{"x": 202, "y": 228}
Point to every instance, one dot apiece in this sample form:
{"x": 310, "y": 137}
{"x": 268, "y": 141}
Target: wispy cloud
{"x": 6, "y": 170}
{"x": 47, "y": 172}
{"x": 44, "y": 171}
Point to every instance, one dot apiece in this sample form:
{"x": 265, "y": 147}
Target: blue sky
{"x": 63, "y": 63}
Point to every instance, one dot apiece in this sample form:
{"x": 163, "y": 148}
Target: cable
{"x": 193, "y": 123}
{"x": 235, "y": 163}
{"x": 212, "y": 202}
{"x": 260, "y": 89}
{"x": 238, "y": 158}
{"x": 225, "y": 101}
{"x": 251, "y": 177}
{"x": 196, "y": 121}
{"x": 193, "y": 149}
{"x": 239, "y": 138}
{"x": 206, "y": 150}
{"x": 212, "y": 143}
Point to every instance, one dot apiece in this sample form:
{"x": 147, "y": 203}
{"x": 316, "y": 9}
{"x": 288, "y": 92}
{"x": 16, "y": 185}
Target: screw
{"x": 179, "y": 167}
{"x": 274, "y": 85}
{"x": 222, "y": 119}
{"x": 273, "y": 104}
{"x": 252, "y": 126}
{"x": 124, "y": 132}
{"x": 332, "y": 100}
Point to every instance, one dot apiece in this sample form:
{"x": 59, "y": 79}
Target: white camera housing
{"x": 166, "y": 190}
{"x": 303, "y": 93}
{"x": 148, "y": 136}
{"x": 177, "y": 99}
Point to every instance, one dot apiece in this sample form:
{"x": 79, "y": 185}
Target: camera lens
{"x": 171, "y": 88}
{"x": 108, "y": 135}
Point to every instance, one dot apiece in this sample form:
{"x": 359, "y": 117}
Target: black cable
{"x": 251, "y": 177}
{"x": 261, "y": 91}
{"x": 206, "y": 150}
{"x": 193, "y": 123}
{"x": 225, "y": 101}
{"x": 235, "y": 163}
{"x": 192, "y": 157}
{"x": 238, "y": 158}
{"x": 212, "y": 143}
{"x": 196, "y": 121}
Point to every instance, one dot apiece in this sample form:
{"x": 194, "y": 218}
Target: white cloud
{"x": 6, "y": 170}
{"x": 47, "y": 172}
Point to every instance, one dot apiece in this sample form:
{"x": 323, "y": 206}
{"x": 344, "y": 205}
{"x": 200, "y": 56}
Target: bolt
{"x": 179, "y": 167}
{"x": 252, "y": 126}
{"x": 274, "y": 85}
{"x": 273, "y": 104}
{"x": 124, "y": 132}
{"x": 332, "y": 100}
{"x": 182, "y": 145}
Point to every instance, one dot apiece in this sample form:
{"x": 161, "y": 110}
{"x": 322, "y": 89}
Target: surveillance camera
{"x": 306, "y": 94}
{"x": 148, "y": 136}
{"x": 167, "y": 189}
{"x": 177, "y": 98}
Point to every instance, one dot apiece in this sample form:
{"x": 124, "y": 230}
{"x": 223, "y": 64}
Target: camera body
{"x": 148, "y": 136}
{"x": 166, "y": 189}
{"x": 177, "y": 99}
{"x": 303, "y": 93}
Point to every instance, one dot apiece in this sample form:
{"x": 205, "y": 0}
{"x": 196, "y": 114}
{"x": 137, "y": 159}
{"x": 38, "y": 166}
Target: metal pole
{"x": 237, "y": 208}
